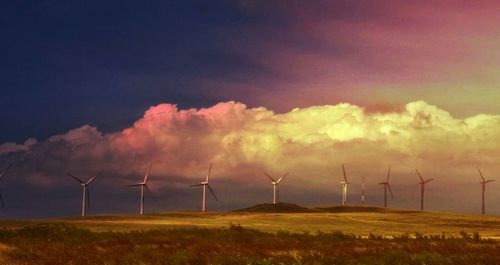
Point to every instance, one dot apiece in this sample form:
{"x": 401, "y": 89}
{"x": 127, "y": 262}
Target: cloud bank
{"x": 310, "y": 143}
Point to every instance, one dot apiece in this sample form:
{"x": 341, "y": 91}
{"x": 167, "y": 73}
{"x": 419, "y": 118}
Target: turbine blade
{"x": 77, "y": 179}
{"x": 151, "y": 193}
{"x": 209, "y": 171}
{"x": 388, "y": 174}
{"x": 389, "y": 186}
{"x": 343, "y": 170}
{"x": 271, "y": 178}
{"x": 134, "y": 185}
{"x": 420, "y": 176}
{"x": 480, "y": 174}
{"x": 94, "y": 177}
{"x": 5, "y": 171}
{"x": 488, "y": 181}
{"x": 429, "y": 180}
{"x": 91, "y": 179}
{"x": 282, "y": 178}
{"x": 147, "y": 174}
{"x": 211, "y": 191}
{"x": 196, "y": 185}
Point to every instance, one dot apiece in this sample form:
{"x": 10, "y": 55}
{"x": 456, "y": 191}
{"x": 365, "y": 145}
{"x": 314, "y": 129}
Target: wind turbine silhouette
{"x": 2, "y": 175}
{"x": 387, "y": 186}
{"x": 422, "y": 189}
{"x": 483, "y": 184}
{"x": 363, "y": 190}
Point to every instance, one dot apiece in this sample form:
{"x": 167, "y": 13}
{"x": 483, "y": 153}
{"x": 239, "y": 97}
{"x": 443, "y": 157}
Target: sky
{"x": 277, "y": 86}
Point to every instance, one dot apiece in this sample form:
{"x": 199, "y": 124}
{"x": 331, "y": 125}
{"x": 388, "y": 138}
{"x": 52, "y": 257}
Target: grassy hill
{"x": 276, "y": 208}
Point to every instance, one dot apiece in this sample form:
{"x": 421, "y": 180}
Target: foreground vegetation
{"x": 67, "y": 244}
{"x": 283, "y": 234}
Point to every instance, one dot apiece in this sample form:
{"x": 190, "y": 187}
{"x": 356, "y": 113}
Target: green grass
{"x": 329, "y": 235}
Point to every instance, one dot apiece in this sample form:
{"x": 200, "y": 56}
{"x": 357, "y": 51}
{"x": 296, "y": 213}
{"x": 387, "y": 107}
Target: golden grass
{"x": 357, "y": 223}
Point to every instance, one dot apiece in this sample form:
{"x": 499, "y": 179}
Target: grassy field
{"x": 357, "y": 221}
{"x": 331, "y": 235}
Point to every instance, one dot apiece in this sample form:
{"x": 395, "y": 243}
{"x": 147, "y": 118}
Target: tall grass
{"x": 63, "y": 244}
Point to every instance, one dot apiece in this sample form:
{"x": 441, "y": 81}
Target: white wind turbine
{"x": 143, "y": 185}
{"x": 86, "y": 192}
{"x": 205, "y": 185}
{"x": 2, "y": 175}
{"x": 422, "y": 188}
{"x": 345, "y": 185}
{"x": 275, "y": 183}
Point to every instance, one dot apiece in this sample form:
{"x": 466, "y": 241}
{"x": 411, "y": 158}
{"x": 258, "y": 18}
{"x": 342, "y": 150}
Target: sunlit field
{"x": 337, "y": 235}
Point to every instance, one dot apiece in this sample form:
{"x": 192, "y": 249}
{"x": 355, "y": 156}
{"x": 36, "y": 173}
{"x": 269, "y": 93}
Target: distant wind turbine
{"x": 387, "y": 186}
{"x": 483, "y": 184}
{"x": 362, "y": 190}
{"x": 143, "y": 185}
{"x": 205, "y": 185}
{"x": 86, "y": 192}
{"x": 2, "y": 175}
{"x": 275, "y": 184}
{"x": 422, "y": 188}
{"x": 345, "y": 185}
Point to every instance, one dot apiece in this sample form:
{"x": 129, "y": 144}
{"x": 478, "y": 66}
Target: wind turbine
{"x": 86, "y": 195}
{"x": 387, "y": 186}
{"x": 422, "y": 189}
{"x": 275, "y": 184}
{"x": 143, "y": 185}
{"x": 483, "y": 183}
{"x": 345, "y": 185}
{"x": 205, "y": 185}
{"x": 2, "y": 175}
{"x": 363, "y": 190}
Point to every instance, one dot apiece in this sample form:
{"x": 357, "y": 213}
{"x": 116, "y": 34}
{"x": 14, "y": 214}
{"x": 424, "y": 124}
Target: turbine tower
{"x": 363, "y": 190}
{"x": 2, "y": 175}
{"x": 387, "y": 186}
{"x": 205, "y": 185}
{"x": 143, "y": 185}
{"x": 422, "y": 189}
{"x": 483, "y": 184}
{"x": 345, "y": 185}
{"x": 275, "y": 183}
{"x": 86, "y": 192}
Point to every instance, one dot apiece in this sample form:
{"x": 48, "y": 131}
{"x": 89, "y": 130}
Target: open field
{"x": 362, "y": 221}
{"x": 367, "y": 236}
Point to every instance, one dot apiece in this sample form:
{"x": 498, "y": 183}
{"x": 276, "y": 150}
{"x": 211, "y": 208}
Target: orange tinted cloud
{"x": 308, "y": 142}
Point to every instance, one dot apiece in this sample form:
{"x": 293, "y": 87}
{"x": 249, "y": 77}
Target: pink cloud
{"x": 309, "y": 143}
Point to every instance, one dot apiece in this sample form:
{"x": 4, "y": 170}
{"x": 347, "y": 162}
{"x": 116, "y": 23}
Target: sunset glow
{"x": 281, "y": 86}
